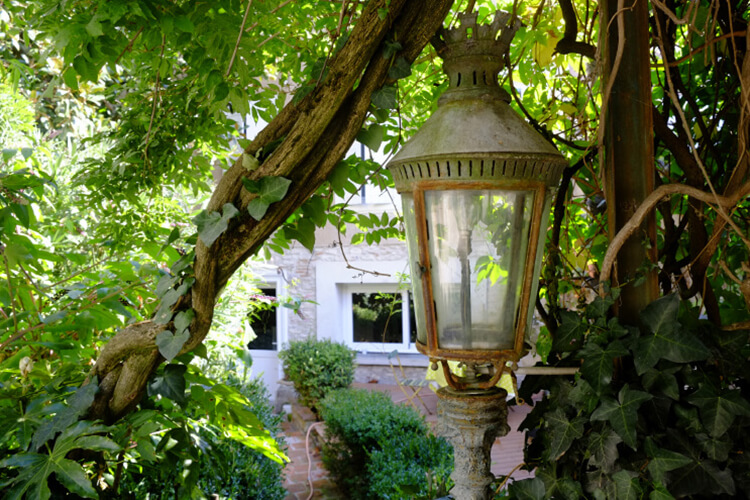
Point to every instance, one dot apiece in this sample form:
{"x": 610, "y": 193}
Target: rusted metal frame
{"x": 456, "y": 382}
{"x": 534, "y": 234}
{"x": 497, "y": 357}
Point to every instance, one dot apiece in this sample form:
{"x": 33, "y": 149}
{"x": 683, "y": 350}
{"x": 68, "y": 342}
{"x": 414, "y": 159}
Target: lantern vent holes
{"x": 477, "y": 80}
{"x": 530, "y": 168}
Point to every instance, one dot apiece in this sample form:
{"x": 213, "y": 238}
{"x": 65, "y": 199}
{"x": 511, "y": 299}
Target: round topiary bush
{"x": 317, "y": 367}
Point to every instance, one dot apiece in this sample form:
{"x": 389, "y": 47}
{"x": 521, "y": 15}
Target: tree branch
{"x": 630, "y": 227}
{"x": 568, "y": 44}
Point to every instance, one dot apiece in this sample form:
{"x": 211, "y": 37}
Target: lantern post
{"x": 476, "y": 183}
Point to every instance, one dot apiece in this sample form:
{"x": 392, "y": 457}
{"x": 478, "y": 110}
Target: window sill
{"x": 407, "y": 359}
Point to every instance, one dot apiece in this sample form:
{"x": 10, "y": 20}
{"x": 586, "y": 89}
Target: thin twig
{"x": 156, "y": 100}
{"x": 656, "y": 196}
{"x": 12, "y": 295}
{"x": 688, "y": 132}
{"x": 671, "y": 14}
{"x": 239, "y": 37}
{"x": 705, "y": 47}
{"x": 20, "y": 334}
{"x": 129, "y": 45}
{"x": 500, "y": 487}
{"x": 77, "y": 273}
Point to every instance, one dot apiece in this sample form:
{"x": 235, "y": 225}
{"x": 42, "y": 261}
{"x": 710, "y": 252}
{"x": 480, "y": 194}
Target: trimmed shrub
{"x": 378, "y": 449}
{"x": 411, "y": 466}
{"x": 317, "y": 367}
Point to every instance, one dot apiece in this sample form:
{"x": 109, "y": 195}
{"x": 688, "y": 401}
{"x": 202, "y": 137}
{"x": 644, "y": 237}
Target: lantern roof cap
{"x": 474, "y": 133}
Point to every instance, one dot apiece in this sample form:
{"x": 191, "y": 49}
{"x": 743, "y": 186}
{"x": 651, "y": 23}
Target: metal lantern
{"x": 475, "y": 181}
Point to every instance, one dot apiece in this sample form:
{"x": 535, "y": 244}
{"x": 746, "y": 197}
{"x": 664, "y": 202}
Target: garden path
{"x": 507, "y": 452}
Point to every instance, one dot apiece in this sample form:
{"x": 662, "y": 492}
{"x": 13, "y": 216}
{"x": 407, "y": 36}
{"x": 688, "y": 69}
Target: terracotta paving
{"x": 507, "y": 452}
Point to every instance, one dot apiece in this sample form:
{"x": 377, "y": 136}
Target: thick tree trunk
{"x": 628, "y": 144}
{"x": 316, "y": 134}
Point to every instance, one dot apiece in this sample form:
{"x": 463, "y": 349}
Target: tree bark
{"x": 316, "y": 134}
{"x": 628, "y": 145}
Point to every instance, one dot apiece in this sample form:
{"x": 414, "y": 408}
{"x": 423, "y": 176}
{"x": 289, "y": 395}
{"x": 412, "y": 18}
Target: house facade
{"x": 358, "y": 295}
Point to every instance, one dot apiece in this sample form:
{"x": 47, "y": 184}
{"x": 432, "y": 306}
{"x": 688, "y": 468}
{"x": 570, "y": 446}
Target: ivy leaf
{"x": 562, "y": 432}
{"x": 660, "y": 492}
{"x": 170, "y": 384}
{"x": 718, "y": 411}
{"x": 665, "y": 337}
{"x": 165, "y": 284}
{"x": 627, "y": 486}
{"x": 251, "y": 185}
{"x": 602, "y": 448}
{"x": 400, "y": 69}
{"x": 599, "y": 307}
{"x": 372, "y": 136}
{"x": 273, "y": 189}
{"x": 257, "y": 208}
{"x": 164, "y": 313}
{"x": 662, "y": 460}
{"x": 598, "y": 363}
{"x": 385, "y": 97}
{"x": 527, "y": 489}
{"x": 315, "y": 210}
{"x": 569, "y": 336}
{"x": 622, "y": 413}
{"x": 183, "y": 319}
{"x": 662, "y": 382}
{"x": 169, "y": 343}
{"x": 716, "y": 448}
{"x": 249, "y": 163}
{"x": 269, "y": 190}
{"x": 391, "y": 48}
{"x": 212, "y": 225}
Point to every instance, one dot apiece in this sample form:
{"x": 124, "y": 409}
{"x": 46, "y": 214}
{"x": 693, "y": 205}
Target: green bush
{"x": 317, "y": 367}
{"x": 411, "y": 466}
{"x": 378, "y": 449}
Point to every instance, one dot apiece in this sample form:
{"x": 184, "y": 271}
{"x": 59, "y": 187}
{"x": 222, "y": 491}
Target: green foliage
{"x": 213, "y": 463}
{"x": 378, "y": 449}
{"x": 36, "y": 468}
{"x": 317, "y": 367}
{"x": 658, "y": 410}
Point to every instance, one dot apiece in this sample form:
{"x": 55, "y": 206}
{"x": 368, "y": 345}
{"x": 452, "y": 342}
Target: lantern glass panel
{"x": 478, "y": 245}
{"x": 410, "y": 221}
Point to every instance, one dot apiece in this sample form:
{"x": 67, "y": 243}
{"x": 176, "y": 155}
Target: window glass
{"x": 262, "y": 318}
{"x": 377, "y": 318}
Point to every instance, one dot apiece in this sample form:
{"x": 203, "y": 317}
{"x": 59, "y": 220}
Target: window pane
{"x": 262, "y": 318}
{"x": 412, "y": 322}
{"x": 376, "y": 317}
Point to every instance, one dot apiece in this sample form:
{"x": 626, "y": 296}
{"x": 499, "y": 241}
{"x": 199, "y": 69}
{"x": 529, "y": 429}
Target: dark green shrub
{"x": 411, "y": 466}
{"x": 372, "y": 442}
{"x": 317, "y": 367}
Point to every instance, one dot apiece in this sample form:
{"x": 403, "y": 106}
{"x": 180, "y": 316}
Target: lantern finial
{"x": 473, "y": 53}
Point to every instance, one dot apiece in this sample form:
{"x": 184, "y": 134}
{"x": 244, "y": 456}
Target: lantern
{"x": 475, "y": 181}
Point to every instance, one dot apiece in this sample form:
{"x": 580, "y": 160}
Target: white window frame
{"x": 347, "y": 290}
{"x": 335, "y": 283}
{"x": 275, "y": 282}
